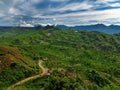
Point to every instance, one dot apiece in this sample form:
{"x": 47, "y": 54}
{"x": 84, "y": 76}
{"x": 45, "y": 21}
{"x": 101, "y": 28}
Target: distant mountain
{"x": 112, "y": 29}
{"x": 9, "y": 28}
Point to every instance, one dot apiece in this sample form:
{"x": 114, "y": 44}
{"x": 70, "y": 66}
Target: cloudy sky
{"x": 67, "y": 12}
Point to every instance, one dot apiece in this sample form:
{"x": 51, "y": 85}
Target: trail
{"x": 44, "y": 72}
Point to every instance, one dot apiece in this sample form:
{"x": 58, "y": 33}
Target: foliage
{"x": 78, "y": 60}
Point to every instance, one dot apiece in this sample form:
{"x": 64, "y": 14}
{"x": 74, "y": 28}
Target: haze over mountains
{"x": 112, "y": 29}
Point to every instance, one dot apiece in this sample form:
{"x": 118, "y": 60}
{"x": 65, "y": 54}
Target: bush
{"x": 93, "y": 76}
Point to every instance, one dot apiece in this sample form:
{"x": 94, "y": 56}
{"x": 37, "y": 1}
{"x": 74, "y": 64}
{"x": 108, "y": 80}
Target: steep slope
{"x": 10, "y": 56}
{"x": 13, "y": 66}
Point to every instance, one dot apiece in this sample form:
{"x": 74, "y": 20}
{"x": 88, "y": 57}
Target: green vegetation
{"x": 76, "y": 60}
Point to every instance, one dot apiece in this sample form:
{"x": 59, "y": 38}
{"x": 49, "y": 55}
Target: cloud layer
{"x": 68, "y": 12}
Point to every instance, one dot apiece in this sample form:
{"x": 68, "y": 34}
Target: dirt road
{"x": 44, "y": 72}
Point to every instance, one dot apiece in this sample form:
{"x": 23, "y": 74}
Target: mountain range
{"x": 112, "y": 29}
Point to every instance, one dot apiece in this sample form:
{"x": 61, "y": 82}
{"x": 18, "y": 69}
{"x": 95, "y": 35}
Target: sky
{"x": 62, "y": 12}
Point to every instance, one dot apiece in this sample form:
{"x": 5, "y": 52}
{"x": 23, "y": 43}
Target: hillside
{"x": 77, "y": 60}
{"x": 13, "y": 66}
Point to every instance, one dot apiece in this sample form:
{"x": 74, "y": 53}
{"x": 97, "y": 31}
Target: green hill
{"x": 76, "y": 60}
{"x": 13, "y": 66}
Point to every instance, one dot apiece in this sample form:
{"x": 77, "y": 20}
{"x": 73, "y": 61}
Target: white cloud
{"x": 26, "y": 25}
{"x": 59, "y": 0}
{"x": 112, "y": 13}
{"x": 12, "y": 10}
{"x": 1, "y": 14}
{"x": 75, "y": 18}
{"x": 44, "y": 15}
{"x": 74, "y": 6}
{"x": 114, "y": 4}
{"x": 106, "y": 1}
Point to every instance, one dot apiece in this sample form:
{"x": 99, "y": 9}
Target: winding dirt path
{"x": 44, "y": 72}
